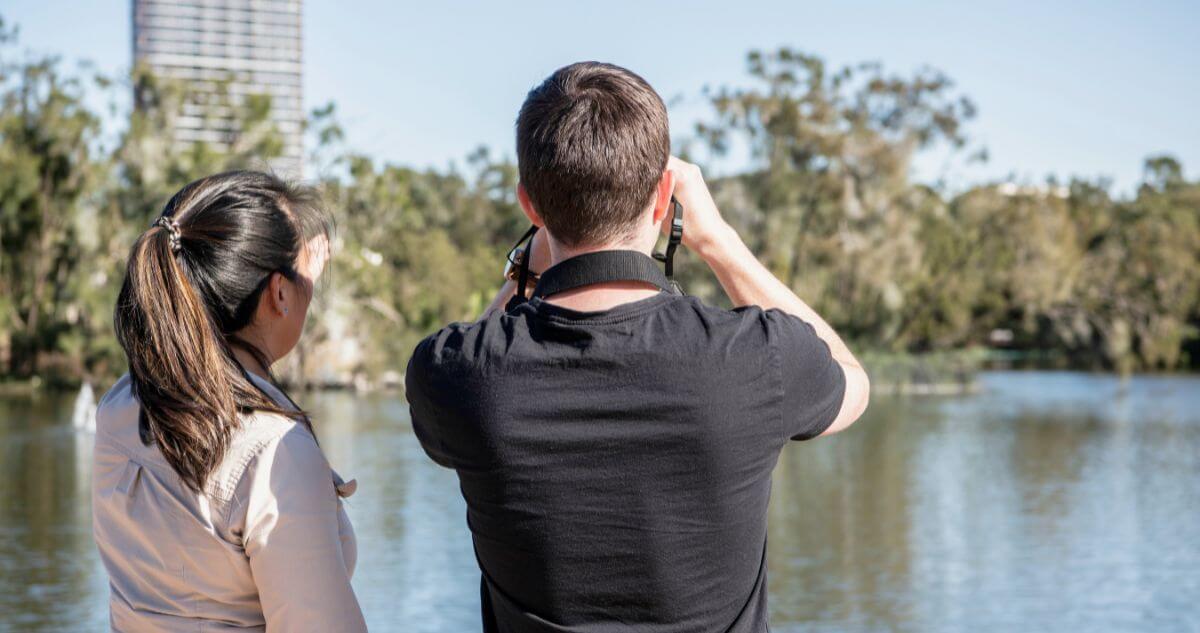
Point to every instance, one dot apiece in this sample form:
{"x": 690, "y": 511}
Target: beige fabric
{"x": 266, "y": 546}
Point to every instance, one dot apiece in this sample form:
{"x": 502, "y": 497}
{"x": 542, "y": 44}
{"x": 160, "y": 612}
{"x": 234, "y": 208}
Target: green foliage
{"x": 896, "y": 266}
{"x": 417, "y": 250}
{"x": 47, "y": 174}
{"x": 69, "y": 212}
{"x": 831, "y": 209}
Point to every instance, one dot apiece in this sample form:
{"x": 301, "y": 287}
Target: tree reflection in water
{"x": 1051, "y": 501}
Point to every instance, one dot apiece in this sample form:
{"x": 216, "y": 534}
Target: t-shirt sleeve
{"x": 421, "y": 402}
{"x": 813, "y": 383}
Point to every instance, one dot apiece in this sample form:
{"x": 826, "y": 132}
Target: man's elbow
{"x": 854, "y": 401}
{"x": 865, "y": 397}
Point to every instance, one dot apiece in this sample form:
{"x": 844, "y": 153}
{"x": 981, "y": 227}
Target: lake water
{"x": 1047, "y": 502}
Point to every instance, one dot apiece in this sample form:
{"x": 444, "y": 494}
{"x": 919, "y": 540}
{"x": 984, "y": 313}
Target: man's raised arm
{"x": 748, "y": 282}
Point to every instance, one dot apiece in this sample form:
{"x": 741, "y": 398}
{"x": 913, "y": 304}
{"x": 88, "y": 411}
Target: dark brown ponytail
{"x": 193, "y": 280}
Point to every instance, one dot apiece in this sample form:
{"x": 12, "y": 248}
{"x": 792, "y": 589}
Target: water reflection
{"x": 1035, "y": 506}
{"x": 416, "y": 569}
{"x": 50, "y": 574}
{"x": 1051, "y": 501}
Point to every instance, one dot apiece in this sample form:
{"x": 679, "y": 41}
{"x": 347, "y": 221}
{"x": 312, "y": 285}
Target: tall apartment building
{"x": 253, "y": 44}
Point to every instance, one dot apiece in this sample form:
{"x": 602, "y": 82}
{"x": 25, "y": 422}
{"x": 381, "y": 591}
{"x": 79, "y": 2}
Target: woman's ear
{"x": 278, "y": 293}
{"x": 527, "y": 206}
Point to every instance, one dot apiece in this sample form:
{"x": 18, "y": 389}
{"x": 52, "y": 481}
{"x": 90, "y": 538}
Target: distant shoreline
{"x": 947, "y": 373}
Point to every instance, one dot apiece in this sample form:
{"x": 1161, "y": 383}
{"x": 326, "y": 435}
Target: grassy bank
{"x": 934, "y": 373}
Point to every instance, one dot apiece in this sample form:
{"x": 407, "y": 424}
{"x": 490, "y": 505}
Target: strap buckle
{"x": 674, "y": 239}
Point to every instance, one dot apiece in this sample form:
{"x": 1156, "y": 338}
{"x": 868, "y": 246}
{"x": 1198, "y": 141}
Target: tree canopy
{"x": 1066, "y": 270}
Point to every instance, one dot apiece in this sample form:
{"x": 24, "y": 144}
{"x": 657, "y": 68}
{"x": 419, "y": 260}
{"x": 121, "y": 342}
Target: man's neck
{"x": 601, "y": 296}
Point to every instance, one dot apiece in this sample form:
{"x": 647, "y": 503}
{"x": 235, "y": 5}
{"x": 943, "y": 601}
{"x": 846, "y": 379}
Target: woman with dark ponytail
{"x": 214, "y": 507}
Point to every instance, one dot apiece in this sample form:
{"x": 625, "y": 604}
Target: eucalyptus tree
{"x": 829, "y": 202}
{"x": 48, "y": 172}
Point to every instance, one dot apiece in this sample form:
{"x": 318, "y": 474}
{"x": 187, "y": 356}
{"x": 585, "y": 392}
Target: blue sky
{"x": 1068, "y": 88}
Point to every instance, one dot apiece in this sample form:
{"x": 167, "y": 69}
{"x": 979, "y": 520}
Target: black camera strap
{"x": 523, "y": 269}
{"x": 600, "y": 267}
{"x": 673, "y": 242}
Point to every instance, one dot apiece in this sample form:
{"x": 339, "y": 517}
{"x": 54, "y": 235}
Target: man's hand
{"x": 539, "y": 261}
{"x": 748, "y": 282}
{"x": 704, "y": 228}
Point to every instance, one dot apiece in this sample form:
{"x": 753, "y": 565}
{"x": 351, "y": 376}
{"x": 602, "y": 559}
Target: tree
{"x": 47, "y": 172}
{"x": 829, "y": 205}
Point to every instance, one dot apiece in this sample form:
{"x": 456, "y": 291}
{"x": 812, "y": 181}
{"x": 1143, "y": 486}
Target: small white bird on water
{"x": 84, "y": 417}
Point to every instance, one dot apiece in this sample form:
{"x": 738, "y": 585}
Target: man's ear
{"x": 662, "y": 196}
{"x": 527, "y": 207}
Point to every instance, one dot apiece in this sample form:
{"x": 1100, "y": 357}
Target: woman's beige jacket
{"x": 267, "y": 545}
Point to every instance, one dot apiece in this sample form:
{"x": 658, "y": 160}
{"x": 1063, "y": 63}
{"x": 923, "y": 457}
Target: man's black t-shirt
{"x": 617, "y": 464}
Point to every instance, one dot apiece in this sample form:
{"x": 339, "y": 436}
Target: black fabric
{"x": 675, "y": 239}
{"x": 617, "y": 464}
{"x": 523, "y": 272}
{"x": 601, "y": 266}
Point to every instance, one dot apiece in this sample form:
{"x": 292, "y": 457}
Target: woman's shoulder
{"x": 260, "y": 429}
{"x": 118, "y": 410}
{"x": 122, "y": 389}
{"x": 117, "y": 416}
{"x": 259, "y": 433}
{"x": 117, "y": 405}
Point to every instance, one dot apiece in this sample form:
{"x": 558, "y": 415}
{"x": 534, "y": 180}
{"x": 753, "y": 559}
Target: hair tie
{"x": 168, "y": 223}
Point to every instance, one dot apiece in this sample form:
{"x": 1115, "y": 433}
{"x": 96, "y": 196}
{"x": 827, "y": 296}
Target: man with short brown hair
{"x": 592, "y": 143}
{"x": 613, "y": 438}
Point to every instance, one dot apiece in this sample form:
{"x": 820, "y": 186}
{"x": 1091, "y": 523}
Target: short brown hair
{"x": 592, "y": 143}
